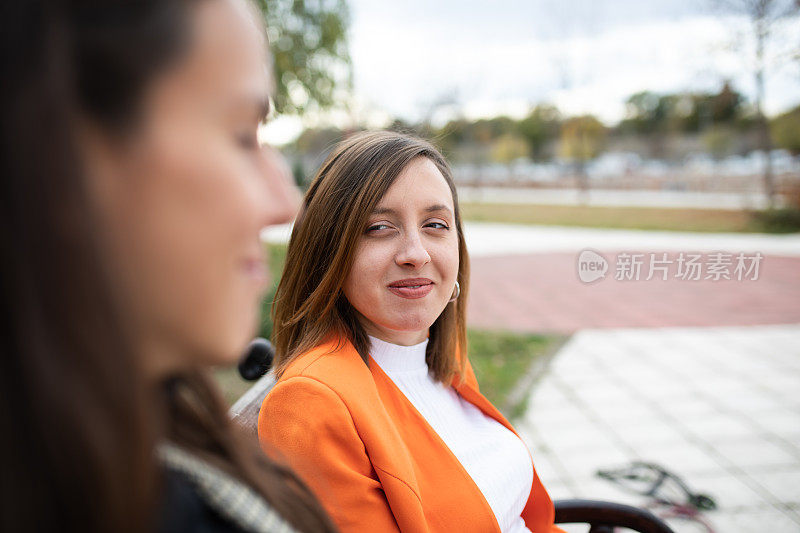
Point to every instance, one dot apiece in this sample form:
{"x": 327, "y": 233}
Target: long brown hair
{"x": 309, "y": 304}
{"x": 78, "y": 423}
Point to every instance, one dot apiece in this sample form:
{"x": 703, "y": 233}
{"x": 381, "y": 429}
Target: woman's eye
{"x": 376, "y": 227}
{"x": 437, "y": 225}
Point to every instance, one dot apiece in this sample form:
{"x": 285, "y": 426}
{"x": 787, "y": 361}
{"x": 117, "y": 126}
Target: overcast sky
{"x": 585, "y": 56}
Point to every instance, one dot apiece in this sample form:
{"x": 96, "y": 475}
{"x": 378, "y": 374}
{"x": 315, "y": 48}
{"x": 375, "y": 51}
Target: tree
{"x": 764, "y": 15}
{"x": 786, "y": 130}
{"x": 507, "y": 149}
{"x": 308, "y": 40}
{"x": 539, "y": 129}
{"x": 645, "y": 113}
{"x": 582, "y": 140}
{"x": 725, "y": 105}
{"x": 650, "y": 116}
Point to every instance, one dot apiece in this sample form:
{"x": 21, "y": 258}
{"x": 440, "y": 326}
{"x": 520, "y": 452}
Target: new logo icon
{"x": 592, "y": 266}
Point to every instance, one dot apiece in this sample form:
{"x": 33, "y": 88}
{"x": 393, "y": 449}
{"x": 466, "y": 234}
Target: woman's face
{"x": 406, "y": 262}
{"x": 183, "y": 201}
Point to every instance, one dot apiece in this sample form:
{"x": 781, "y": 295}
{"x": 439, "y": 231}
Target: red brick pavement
{"x": 542, "y": 293}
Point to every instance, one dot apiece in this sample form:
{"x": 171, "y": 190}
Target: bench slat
{"x": 245, "y": 410}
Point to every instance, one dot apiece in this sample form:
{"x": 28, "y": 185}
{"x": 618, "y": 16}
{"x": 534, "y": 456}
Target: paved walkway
{"x": 489, "y": 239}
{"x": 614, "y": 198}
{"x": 526, "y": 278}
{"x": 718, "y": 406}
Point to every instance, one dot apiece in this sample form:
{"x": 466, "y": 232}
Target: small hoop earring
{"x": 457, "y": 293}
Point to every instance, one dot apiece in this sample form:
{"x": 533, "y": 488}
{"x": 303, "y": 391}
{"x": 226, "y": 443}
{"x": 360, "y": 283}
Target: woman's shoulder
{"x": 329, "y": 382}
{"x": 334, "y": 363}
{"x": 320, "y": 401}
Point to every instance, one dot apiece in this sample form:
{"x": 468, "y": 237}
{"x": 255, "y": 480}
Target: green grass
{"x": 276, "y": 257}
{"x": 784, "y": 220}
{"x": 231, "y": 384}
{"x": 500, "y": 359}
{"x": 643, "y": 218}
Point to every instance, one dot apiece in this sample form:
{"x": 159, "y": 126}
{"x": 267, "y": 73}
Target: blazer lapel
{"x": 384, "y": 445}
{"x": 433, "y": 457}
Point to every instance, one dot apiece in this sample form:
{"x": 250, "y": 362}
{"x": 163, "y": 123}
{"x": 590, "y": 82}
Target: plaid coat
{"x": 233, "y": 501}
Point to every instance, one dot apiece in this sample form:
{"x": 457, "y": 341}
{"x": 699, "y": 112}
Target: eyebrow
{"x": 429, "y": 209}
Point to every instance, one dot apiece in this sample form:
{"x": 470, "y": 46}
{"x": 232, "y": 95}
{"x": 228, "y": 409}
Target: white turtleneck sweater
{"x": 495, "y": 458}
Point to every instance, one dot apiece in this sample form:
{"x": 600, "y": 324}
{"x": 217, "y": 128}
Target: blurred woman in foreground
{"x": 133, "y": 193}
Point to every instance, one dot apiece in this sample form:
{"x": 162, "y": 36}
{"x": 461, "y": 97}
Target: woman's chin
{"x": 410, "y": 325}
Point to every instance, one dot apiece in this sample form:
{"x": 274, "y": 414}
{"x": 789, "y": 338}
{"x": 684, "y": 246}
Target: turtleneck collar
{"x": 393, "y": 358}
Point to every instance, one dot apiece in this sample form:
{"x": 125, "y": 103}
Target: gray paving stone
{"x": 718, "y": 406}
{"x": 784, "y": 485}
{"x": 730, "y": 492}
{"x": 778, "y": 421}
{"x": 755, "y": 454}
{"x": 682, "y": 458}
{"x": 755, "y": 521}
{"x": 719, "y": 428}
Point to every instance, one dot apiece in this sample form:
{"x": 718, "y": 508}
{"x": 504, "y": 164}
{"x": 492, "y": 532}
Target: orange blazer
{"x": 371, "y": 458}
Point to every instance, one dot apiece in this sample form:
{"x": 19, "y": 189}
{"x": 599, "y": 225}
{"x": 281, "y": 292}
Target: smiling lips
{"x": 411, "y": 288}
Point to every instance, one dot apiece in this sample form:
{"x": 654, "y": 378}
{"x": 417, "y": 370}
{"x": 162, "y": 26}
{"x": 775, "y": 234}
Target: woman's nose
{"x": 283, "y": 195}
{"x": 412, "y": 252}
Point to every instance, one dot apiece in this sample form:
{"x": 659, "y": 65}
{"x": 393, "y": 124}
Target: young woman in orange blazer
{"x": 376, "y": 405}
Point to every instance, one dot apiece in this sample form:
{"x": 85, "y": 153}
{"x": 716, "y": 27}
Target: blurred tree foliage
{"x": 720, "y": 122}
{"x": 308, "y": 40}
{"x": 539, "y": 129}
{"x": 508, "y": 148}
{"x": 785, "y": 130}
{"x": 765, "y": 17}
{"x": 650, "y": 113}
{"x": 582, "y": 138}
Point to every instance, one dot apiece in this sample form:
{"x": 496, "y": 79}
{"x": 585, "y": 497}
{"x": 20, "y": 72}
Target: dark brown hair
{"x": 309, "y": 304}
{"x": 78, "y": 423}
